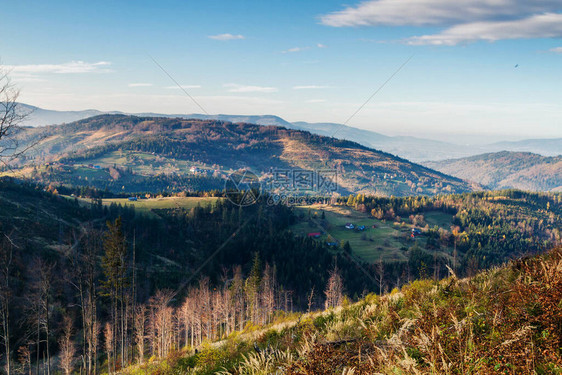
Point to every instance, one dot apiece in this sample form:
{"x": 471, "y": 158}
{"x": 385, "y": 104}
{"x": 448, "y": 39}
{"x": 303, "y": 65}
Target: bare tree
{"x": 310, "y": 300}
{"x": 40, "y": 297}
{"x": 139, "y": 330}
{"x": 11, "y": 117}
{"x": 162, "y": 321}
{"x": 334, "y": 289}
{"x": 109, "y": 345}
{"x": 5, "y": 297}
{"x": 67, "y": 348}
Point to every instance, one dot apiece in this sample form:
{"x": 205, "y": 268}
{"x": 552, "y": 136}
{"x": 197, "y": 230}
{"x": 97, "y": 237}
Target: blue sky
{"x": 315, "y": 61}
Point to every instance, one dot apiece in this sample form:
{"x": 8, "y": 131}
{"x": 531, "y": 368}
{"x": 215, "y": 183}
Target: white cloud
{"x": 320, "y": 45}
{"x": 233, "y": 87}
{"x": 463, "y": 20}
{"x": 226, "y": 37}
{"x": 316, "y": 101}
{"x": 184, "y": 87}
{"x": 140, "y": 84}
{"x": 309, "y": 87}
{"x": 72, "y": 67}
{"x": 548, "y": 25}
{"x": 435, "y": 12}
{"x": 295, "y": 49}
{"x": 555, "y": 50}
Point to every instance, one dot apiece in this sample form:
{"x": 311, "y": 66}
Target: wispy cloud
{"x": 183, "y": 87}
{"x": 547, "y": 25}
{"x": 72, "y": 67}
{"x": 295, "y": 49}
{"x": 226, "y": 37}
{"x": 233, "y": 87}
{"x": 488, "y": 20}
{"x": 435, "y": 12}
{"x": 310, "y": 87}
{"x": 300, "y": 49}
{"x": 140, "y": 84}
{"x": 555, "y": 50}
{"x": 316, "y": 101}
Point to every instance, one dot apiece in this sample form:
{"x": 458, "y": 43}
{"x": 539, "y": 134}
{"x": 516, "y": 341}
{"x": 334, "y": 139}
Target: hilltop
{"x": 414, "y": 148}
{"x": 517, "y": 170}
{"x": 135, "y": 153}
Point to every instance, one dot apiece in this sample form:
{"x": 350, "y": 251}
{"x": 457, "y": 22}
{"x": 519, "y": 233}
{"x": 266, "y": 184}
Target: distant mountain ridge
{"x": 500, "y": 170}
{"x": 409, "y": 147}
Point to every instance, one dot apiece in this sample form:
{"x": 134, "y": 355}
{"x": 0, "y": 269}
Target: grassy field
{"x": 380, "y": 239}
{"x": 146, "y": 206}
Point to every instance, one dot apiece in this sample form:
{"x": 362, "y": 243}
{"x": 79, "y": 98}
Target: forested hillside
{"x": 501, "y": 170}
{"x": 91, "y": 267}
{"x": 127, "y": 153}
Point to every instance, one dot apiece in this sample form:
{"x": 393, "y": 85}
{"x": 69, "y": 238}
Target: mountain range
{"x": 409, "y": 147}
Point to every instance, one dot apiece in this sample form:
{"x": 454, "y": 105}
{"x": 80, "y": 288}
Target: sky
{"x": 465, "y": 71}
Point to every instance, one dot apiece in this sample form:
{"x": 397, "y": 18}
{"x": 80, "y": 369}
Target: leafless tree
{"x": 67, "y": 348}
{"x": 109, "y": 345}
{"x": 6, "y": 254}
{"x": 41, "y": 299}
{"x": 310, "y": 300}
{"x": 140, "y": 331}
{"x": 11, "y": 118}
{"x": 334, "y": 289}
{"x": 162, "y": 322}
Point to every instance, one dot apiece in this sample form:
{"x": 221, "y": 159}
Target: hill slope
{"x": 506, "y": 320}
{"x": 519, "y": 170}
{"x": 126, "y": 146}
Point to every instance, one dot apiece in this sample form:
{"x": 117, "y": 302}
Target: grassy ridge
{"x": 506, "y": 320}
